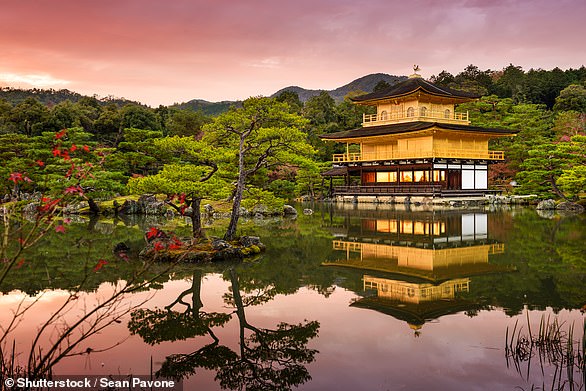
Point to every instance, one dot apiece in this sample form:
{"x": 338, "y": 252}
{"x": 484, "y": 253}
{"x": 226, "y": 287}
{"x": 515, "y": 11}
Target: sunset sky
{"x": 161, "y": 52}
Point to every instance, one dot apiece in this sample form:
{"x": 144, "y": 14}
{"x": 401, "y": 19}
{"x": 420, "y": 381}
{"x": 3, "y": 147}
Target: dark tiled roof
{"x": 412, "y": 85}
{"x": 336, "y": 171}
{"x": 409, "y": 127}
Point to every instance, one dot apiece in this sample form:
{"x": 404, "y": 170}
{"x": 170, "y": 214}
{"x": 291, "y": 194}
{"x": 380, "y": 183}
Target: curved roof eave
{"x": 409, "y": 127}
{"x": 411, "y": 86}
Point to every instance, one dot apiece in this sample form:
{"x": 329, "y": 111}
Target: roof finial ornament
{"x": 415, "y": 70}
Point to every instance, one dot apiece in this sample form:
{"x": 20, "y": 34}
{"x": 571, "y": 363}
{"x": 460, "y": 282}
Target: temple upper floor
{"x": 415, "y": 99}
{"x": 415, "y": 110}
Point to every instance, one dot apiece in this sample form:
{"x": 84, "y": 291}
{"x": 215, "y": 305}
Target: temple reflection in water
{"x": 419, "y": 264}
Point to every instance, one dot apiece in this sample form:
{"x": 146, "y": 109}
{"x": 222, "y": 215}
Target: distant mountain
{"x": 365, "y": 83}
{"x": 52, "y": 97}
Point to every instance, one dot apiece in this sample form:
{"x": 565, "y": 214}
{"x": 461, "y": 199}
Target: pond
{"x": 347, "y": 298}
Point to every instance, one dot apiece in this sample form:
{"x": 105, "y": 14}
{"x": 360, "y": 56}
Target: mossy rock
{"x": 251, "y": 250}
{"x": 203, "y": 252}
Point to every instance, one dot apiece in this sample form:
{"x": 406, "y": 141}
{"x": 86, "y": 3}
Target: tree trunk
{"x": 239, "y": 304}
{"x": 196, "y": 228}
{"x": 556, "y": 190}
{"x": 197, "y": 304}
{"x": 94, "y": 208}
{"x": 231, "y": 231}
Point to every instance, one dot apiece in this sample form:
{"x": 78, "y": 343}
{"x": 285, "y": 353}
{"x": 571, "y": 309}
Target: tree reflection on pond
{"x": 267, "y": 359}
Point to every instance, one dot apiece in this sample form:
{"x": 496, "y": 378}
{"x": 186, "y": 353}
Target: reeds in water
{"x": 555, "y": 347}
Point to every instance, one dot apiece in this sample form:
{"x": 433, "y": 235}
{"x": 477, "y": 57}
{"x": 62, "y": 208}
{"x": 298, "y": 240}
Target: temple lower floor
{"x": 431, "y": 178}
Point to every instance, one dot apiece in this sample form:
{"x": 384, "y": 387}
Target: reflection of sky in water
{"x": 358, "y": 348}
{"x": 429, "y": 266}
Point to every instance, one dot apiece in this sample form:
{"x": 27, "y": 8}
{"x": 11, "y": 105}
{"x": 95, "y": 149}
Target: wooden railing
{"x": 497, "y": 248}
{"x": 429, "y": 116}
{"x": 347, "y": 246}
{"x": 390, "y": 189}
{"x": 418, "y": 154}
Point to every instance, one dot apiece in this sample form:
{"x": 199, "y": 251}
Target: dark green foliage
{"x": 546, "y": 164}
{"x": 51, "y": 97}
{"x": 536, "y": 86}
{"x": 208, "y": 108}
{"x": 571, "y": 98}
{"x": 472, "y": 79}
{"x": 108, "y": 125}
{"x": 283, "y": 188}
{"x": 381, "y": 86}
{"x": 28, "y": 117}
{"x": 292, "y": 99}
{"x": 320, "y": 110}
{"x": 136, "y": 152}
{"x": 140, "y": 117}
{"x": 63, "y": 115}
{"x": 444, "y": 79}
{"x": 509, "y": 83}
{"x": 185, "y": 122}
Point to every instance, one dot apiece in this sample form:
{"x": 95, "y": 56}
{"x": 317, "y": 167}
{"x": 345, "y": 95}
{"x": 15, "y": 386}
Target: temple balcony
{"x": 447, "y": 117}
{"x": 392, "y": 251}
{"x": 423, "y": 154}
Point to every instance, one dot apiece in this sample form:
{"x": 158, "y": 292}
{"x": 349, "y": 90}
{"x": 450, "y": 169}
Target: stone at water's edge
{"x": 129, "y": 207}
{"x": 248, "y": 241}
{"x": 546, "y": 205}
{"x": 570, "y": 207}
{"x": 146, "y": 205}
{"x": 288, "y": 210}
{"x": 149, "y": 205}
{"x": 219, "y": 244}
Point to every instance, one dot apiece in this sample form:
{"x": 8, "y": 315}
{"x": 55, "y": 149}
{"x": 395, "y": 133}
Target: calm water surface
{"x": 348, "y": 298}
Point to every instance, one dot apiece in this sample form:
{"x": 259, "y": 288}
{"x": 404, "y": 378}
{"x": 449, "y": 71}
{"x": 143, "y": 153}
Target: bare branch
{"x": 211, "y": 164}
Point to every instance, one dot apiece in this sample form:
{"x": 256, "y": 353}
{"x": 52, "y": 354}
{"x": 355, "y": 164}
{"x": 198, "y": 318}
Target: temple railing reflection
{"x": 415, "y": 293}
{"x": 419, "y": 264}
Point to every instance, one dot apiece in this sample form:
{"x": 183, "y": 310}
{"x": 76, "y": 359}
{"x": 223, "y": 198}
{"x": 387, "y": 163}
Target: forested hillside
{"x": 52, "y": 97}
{"x": 546, "y": 158}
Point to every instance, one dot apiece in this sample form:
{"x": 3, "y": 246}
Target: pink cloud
{"x": 162, "y": 52}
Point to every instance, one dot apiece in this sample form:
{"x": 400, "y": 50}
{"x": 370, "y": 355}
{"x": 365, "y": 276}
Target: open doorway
{"x": 454, "y": 179}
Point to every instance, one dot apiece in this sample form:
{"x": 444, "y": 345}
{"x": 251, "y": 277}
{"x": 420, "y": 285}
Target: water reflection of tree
{"x": 549, "y": 255}
{"x": 66, "y": 332}
{"x": 267, "y": 359}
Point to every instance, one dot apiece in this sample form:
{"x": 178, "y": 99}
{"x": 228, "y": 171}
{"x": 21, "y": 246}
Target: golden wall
{"x": 401, "y": 108}
{"x": 446, "y": 141}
